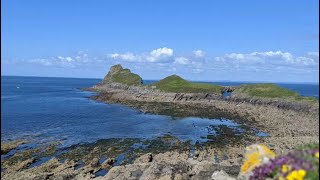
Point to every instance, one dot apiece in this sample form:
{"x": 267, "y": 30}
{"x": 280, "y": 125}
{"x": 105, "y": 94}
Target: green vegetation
{"x": 271, "y": 91}
{"x": 123, "y": 76}
{"x": 176, "y": 84}
{"x": 126, "y": 77}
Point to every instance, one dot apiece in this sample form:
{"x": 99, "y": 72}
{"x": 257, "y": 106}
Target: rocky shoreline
{"x": 276, "y": 121}
{"x": 288, "y": 124}
{"x": 125, "y": 159}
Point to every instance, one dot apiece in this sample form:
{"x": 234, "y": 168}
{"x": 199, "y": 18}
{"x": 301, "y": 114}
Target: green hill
{"x": 123, "y": 76}
{"x": 177, "y": 84}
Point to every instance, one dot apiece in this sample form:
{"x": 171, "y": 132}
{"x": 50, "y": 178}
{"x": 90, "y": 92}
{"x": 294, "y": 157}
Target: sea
{"x": 49, "y": 109}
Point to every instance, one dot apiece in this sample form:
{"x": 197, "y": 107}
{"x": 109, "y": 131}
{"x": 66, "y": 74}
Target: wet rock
{"x": 8, "y": 146}
{"x": 109, "y": 161}
{"x": 23, "y": 164}
{"x": 95, "y": 162}
{"x": 146, "y": 158}
{"x": 107, "y": 164}
{"x": 150, "y": 158}
{"x": 196, "y": 154}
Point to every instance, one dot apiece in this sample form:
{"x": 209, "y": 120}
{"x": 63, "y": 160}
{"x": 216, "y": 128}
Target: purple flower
{"x": 295, "y": 159}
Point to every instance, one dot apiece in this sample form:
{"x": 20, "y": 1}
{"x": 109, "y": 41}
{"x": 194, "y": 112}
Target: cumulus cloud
{"x": 258, "y": 56}
{"x": 270, "y": 57}
{"x": 194, "y": 62}
{"x": 125, "y": 56}
{"x": 65, "y": 61}
{"x": 161, "y": 52}
{"x": 166, "y": 59}
{"x": 198, "y": 53}
{"x": 160, "y": 55}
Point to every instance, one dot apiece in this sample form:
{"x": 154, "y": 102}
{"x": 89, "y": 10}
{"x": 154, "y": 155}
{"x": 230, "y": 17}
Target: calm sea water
{"x": 47, "y": 109}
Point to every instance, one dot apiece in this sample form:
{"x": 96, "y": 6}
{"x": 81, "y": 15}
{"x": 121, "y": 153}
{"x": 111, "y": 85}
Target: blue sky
{"x": 274, "y": 41}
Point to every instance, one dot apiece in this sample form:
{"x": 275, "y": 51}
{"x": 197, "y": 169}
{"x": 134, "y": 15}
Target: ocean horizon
{"x": 156, "y": 80}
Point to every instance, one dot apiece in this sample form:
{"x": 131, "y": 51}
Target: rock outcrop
{"x": 124, "y": 76}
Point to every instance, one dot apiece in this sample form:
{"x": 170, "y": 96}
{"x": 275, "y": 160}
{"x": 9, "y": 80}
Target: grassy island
{"x": 177, "y": 84}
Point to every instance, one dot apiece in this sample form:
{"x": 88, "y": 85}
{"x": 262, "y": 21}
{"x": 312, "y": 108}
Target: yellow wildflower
{"x": 256, "y": 155}
{"x": 317, "y": 155}
{"x": 267, "y": 150}
{"x": 297, "y": 175}
{"x": 285, "y": 168}
{"x": 252, "y": 160}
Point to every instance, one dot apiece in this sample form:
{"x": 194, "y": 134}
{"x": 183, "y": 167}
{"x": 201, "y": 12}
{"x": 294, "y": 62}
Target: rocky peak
{"x": 120, "y": 75}
{"x": 113, "y": 70}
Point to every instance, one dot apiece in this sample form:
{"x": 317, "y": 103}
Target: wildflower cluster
{"x": 256, "y": 154}
{"x": 296, "y": 165}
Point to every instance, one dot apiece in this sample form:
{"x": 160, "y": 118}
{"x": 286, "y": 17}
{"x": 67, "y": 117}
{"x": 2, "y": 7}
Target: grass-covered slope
{"x": 126, "y": 77}
{"x": 123, "y": 76}
{"x": 176, "y": 84}
{"x": 268, "y": 90}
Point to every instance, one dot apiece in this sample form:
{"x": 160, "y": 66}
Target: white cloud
{"x": 198, "y": 53}
{"x": 126, "y": 56}
{"x": 167, "y": 60}
{"x": 181, "y": 60}
{"x": 161, "y": 52}
{"x": 44, "y": 62}
{"x": 69, "y": 59}
{"x": 160, "y": 55}
{"x": 82, "y": 56}
{"x": 266, "y": 61}
{"x": 270, "y": 57}
{"x": 258, "y": 56}
{"x": 64, "y": 61}
{"x": 304, "y": 61}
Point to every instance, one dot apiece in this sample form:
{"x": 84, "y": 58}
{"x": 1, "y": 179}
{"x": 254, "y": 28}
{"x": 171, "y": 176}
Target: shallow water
{"x": 54, "y": 109}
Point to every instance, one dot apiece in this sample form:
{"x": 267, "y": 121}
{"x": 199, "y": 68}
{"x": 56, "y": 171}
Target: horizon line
{"x": 241, "y": 81}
